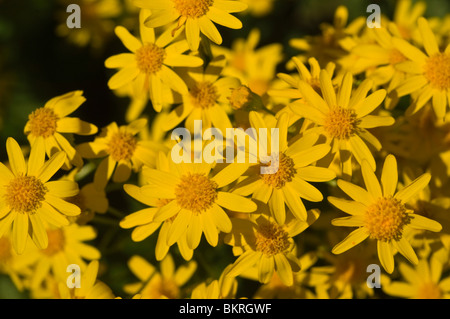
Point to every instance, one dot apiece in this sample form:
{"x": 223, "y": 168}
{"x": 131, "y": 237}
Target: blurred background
{"x": 41, "y": 58}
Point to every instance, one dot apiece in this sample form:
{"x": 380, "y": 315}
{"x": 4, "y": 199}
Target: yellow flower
{"x": 425, "y": 281}
{"x": 149, "y": 65}
{"x": 268, "y": 246}
{"x": 192, "y": 198}
{"x": 259, "y": 8}
{"x": 197, "y": 15}
{"x": 143, "y": 220}
{"x": 164, "y": 284}
{"x": 28, "y": 198}
{"x": 380, "y": 213}
{"x": 66, "y": 246}
{"x": 428, "y": 74}
{"x": 50, "y": 122}
{"x": 206, "y": 100}
{"x": 290, "y": 182}
{"x": 343, "y": 118}
{"x": 91, "y": 287}
{"x": 121, "y": 151}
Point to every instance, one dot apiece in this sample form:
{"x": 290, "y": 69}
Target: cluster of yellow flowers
{"x": 362, "y": 118}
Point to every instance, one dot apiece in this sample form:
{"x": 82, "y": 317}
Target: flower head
{"x": 29, "y": 199}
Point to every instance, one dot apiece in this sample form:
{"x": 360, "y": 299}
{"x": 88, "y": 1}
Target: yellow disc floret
{"x": 437, "y": 71}
{"x": 386, "y": 218}
{"x": 42, "y": 122}
{"x": 271, "y": 239}
{"x": 24, "y": 194}
{"x": 121, "y": 146}
{"x": 193, "y": 8}
{"x": 196, "y": 192}
{"x": 285, "y": 171}
{"x": 204, "y": 95}
{"x": 150, "y": 58}
{"x": 341, "y": 123}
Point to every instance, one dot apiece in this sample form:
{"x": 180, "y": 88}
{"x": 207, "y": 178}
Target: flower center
{"x": 56, "y": 242}
{"x": 150, "y": 58}
{"x": 196, "y": 192}
{"x": 429, "y": 290}
{"x": 271, "y": 239}
{"x": 341, "y": 123}
{"x": 5, "y": 250}
{"x": 193, "y": 8}
{"x": 286, "y": 171}
{"x": 121, "y": 146}
{"x": 386, "y": 218}
{"x": 24, "y": 194}
{"x": 42, "y": 122}
{"x": 437, "y": 71}
{"x": 204, "y": 95}
{"x": 396, "y": 56}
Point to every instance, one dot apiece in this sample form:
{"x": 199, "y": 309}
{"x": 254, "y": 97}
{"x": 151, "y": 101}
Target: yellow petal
{"x": 15, "y": 155}
{"x": 353, "y": 239}
{"x": 62, "y": 188}
{"x": 37, "y": 156}
{"x": 210, "y": 30}
{"x": 77, "y": 126}
{"x": 20, "y": 232}
{"x": 159, "y": 18}
{"x": 327, "y": 88}
{"x": 385, "y": 255}
{"x": 39, "y": 233}
{"x": 223, "y": 18}
{"x": 51, "y": 166}
{"x": 284, "y": 269}
{"x": 128, "y": 40}
{"x": 235, "y": 202}
{"x": 62, "y": 206}
{"x": 123, "y": 77}
{"x": 361, "y": 151}
{"x": 413, "y": 188}
{"x": 429, "y": 40}
{"x": 389, "y": 176}
{"x": 192, "y": 33}
{"x": 348, "y": 206}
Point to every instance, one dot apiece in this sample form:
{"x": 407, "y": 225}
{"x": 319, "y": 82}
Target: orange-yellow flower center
{"x": 193, "y": 8}
{"x": 271, "y": 239}
{"x": 150, "y": 58}
{"x": 204, "y": 95}
{"x": 56, "y": 242}
{"x": 341, "y": 123}
{"x": 285, "y": 173}
{"x": 429, "y": 290}
{"x": 5, "y": 250}
{"x": 396, "y": 56}
{"x": 121, "y": 146}
{"x": 196, "y": 192}
{"x": 386, "y": 218}
{"x": 24, "y": 194}
{"x": 42, "y": 122}
{"x": 437, "y": 71}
